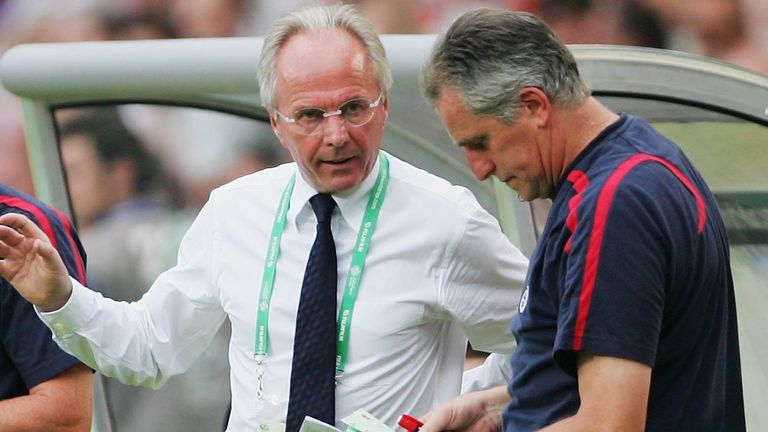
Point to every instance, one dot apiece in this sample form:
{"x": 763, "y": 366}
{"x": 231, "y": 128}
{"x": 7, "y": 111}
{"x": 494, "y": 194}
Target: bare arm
{"x": 31, "y": 264}
{"x": 614, "y": 396}
{"x": 472, "y": 412}
{"x": 63, "y": 403}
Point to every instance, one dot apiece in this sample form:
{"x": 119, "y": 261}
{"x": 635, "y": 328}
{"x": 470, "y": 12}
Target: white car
{"x": 717, "y": 112}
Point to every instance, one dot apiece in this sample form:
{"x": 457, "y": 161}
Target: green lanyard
{"x": 354, "y": 276}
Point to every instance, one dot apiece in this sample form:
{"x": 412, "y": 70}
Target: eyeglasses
{"x": 355, "y": 112}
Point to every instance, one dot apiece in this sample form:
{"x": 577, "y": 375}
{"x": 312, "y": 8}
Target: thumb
{"x": 435, "y": 421}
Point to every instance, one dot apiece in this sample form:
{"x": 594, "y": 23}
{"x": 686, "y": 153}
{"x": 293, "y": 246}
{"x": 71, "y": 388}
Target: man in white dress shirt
{"x": 438, "y": 271}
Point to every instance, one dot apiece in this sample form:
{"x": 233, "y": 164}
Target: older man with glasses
{"x": 352, "y": 280}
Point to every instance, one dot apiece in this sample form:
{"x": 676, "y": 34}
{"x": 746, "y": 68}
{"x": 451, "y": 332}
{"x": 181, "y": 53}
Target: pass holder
{"x": 260, "y": 359}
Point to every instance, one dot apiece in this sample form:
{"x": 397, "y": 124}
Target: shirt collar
{"x": 351, "y": 203}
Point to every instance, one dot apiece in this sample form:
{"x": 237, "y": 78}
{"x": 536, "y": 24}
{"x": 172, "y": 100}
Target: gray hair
{"x": 314, "y": 19}
{"x": 490, "y": 55}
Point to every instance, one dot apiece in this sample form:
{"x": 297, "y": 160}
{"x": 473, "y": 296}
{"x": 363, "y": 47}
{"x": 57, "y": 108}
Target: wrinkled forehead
{"x": 322, "y": 60}
{"x": 325, "y": 52}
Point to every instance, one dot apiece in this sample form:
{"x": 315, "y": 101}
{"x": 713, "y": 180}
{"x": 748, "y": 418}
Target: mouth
{"x": 338, "y": 161}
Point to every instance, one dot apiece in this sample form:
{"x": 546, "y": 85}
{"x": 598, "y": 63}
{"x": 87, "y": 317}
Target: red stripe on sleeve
{"x": 26, "y": 206}
{"x": 47, "y": 227}
{"x": 71, "y": 240}
{"x": 580, "y": 182}
{"x": 598, "y": 230}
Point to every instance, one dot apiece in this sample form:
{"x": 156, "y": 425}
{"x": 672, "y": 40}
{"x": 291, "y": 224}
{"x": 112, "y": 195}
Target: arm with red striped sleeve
{"x": 631, "y": 235}
{"x": 41, "y": 387}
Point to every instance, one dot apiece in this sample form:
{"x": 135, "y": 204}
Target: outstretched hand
{"x": 471, "y": 412}
{"x": 31, "y": 264}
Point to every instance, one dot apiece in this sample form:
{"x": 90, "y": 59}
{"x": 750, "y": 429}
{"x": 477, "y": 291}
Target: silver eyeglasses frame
{"x": 308, "y": 129}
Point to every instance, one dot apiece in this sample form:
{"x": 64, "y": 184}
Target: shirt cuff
{"x": 74, "y": 315}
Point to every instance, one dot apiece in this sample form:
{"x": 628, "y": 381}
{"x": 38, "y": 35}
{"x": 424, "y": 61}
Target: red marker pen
{"x": 409, "y": 423}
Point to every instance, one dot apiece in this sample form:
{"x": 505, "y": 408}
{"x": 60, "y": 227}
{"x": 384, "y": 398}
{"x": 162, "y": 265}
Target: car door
{"x": 718, "y": 113}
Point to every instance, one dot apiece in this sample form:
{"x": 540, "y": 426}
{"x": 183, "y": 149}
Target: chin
{"x": 524, "y": 195}
{"x": 341, "y": 184}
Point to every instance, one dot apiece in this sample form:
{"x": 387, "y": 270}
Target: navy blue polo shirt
{"x": 633, "y": 263}
{"x": 28, "y": 355}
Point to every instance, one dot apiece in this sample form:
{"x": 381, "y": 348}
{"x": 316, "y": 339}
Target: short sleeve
{"x": 29, "y": 353}
{"x": 30, "y": 356}
{"x": 616, "y": 279}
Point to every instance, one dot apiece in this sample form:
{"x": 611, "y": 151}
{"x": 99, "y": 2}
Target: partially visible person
{"x": 256, "y": 152}
{"x": 106, "y": 163}
{"x": 624, "y": 22}
{"x": 409, "y": 16}
{"x": 628, "y": 320}
{"x": 210, "y": 18}
{"x": 423, "y": 266}
{"x": 14, "y": 163}
{"x": 138, "y": 25}
{"x": 721, "y": 27}
{"x": 729, "y": 30}
{"x": 35, "y": 22}
{"x": 756, "y": 20}
{"x": 131, "y": 226}
{"x": 41, "y": 387}
{"x": 122, "y": 200}
{"x": 119, "y": 189}
{"x": 68, "y": 21}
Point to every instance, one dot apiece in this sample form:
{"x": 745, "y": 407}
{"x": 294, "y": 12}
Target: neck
{"x": 579, "y": 126}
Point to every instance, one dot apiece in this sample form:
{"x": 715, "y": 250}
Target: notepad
{"x": 362, "y": 421}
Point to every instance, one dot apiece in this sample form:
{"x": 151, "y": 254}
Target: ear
{"x": 535, "y": 103}
{"x": 273, "y": 124}
{"x": 385, "y": 107}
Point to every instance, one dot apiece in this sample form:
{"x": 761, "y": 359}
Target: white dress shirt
{"x": 438, "y": 270}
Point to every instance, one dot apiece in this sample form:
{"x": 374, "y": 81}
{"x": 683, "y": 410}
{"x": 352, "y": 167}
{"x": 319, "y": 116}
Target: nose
{"x": 481, "y": 166}
{"x": 335, "y": 131}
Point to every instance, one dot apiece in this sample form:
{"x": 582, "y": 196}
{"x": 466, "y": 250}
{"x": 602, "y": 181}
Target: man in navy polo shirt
{"x": 41, "y": 387}
{"x": 628, "y": 318}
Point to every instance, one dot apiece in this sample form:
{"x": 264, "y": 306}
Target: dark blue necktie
{"x": 314, "y": 347}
